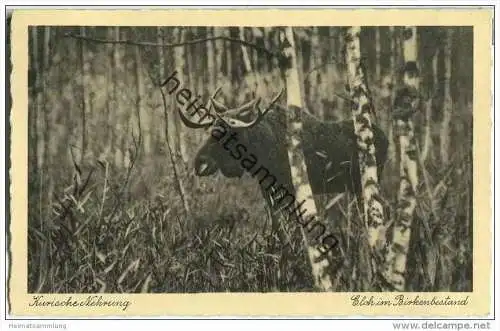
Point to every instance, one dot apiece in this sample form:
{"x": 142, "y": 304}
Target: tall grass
{"x": 104, "y": 233}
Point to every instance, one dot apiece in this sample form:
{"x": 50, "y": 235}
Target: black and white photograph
{"x": 162, "y": 159}
{"x": 250, "y": 162}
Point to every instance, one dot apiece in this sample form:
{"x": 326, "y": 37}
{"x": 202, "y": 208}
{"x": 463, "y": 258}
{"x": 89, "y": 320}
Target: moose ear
{"x": 218, "y": 107}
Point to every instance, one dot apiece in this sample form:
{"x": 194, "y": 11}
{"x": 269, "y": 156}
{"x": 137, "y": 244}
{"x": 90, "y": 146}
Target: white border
{"x": 242, "y": 324}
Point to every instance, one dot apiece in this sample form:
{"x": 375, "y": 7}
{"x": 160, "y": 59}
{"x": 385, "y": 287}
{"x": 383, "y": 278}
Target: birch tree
{"x": 427, "y": 140}
{"x": 141, "y": 111}
{"x": 405, "y": 106}
{"x": 117, "y": 110}
{"x": 110, "y": 102}
{"x": 229, "y": 63}
{"x": 84, "y": 101}
{"x": 314, "y": 76}
{"x": 176, "y": 131}
{"x": 377, "y": 53}
{"x": 219, "y": 55}
{"x": 212, "y": 69}
{"x": 300, "y": 179}
{"x": 361, "y": 114}
{"x": 35, "y": 100}
{"x": 171, "y": 127}
{"x": 391, "y": 151}
{"x": 448, "y": 102}
{"x": 250, "y": 76}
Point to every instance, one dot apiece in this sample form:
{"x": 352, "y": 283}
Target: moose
{"x": 329, "y": 147}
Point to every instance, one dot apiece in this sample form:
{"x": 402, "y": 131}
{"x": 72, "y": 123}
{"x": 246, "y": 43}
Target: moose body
{"x": 330, "y": 152}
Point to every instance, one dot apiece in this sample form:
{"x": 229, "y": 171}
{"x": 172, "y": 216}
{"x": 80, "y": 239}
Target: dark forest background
{"x": 114, "y": 205}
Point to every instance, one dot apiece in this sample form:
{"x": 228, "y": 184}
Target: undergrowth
{"x": 104, "y": 234}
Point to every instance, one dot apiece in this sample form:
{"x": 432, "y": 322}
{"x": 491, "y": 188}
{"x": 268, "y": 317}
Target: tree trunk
{"x": 270, "y": 63}
{"x": 144, "y": 122}
{"x": 427, "y": 143}
{"x": 229, "y": 62}
{"x": 250, "y": 76}
{"x": 333, "y": 75}
{"x": 246, "y": 57}
{"x": 448, "y": 102}
{"x": 48, "y": 115}
{"x": 391, "y": 151}
{"x": 377, "y": 54}
{"x": 84, "y": 98}
{"x": 118, "y": 126}
{"x": 37, "y": 162}
{"x": 405, "y": 105}
{"x": 110, "y": 102}
{"x": 181, "y": 64}
{"x": 361, "y": 115}
{"x": 300, "y": 180}
{"x": 173, "y": 159}
{"x": 36, "y": 220}
{"x": 314, "y": 76}
{"x": 256, "y": 36}
{"x": 219, "y": 53}
{"x": 173, "y": 132}
{"x": 163, "y": 55}
{"x": 211, "y": 61}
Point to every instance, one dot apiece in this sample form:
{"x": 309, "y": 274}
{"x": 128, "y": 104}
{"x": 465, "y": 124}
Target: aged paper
{"x": 116, "y": 212}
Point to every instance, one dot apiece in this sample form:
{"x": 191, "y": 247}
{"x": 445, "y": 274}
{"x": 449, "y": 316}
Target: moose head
{"x": 230, "y": 135}
{"x": 248, "y": 139}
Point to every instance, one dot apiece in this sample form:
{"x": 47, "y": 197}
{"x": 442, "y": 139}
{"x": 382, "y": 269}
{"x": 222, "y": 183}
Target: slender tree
{"x": 391, "y": 151}
{"x": 49, "y": 114}
{"x": 171, "y": 123}
{"x": 405, "y": 105}
{"x": 219, "y": 54}
{"x": 361, "y": 114}
{"x": 84, "y": 101}
{"x": 314, "y": 70}
{"x": 180, "y": 57}
{"x": 256, "y": 35}
{"x": 143, "y": 116}
{"x": 427, "y": 143}
{"x": 163, "y": 35}
{"x": 211, "y": 59}
{"x": 270, "y": 63}
{"x": 35, "y": 72}
{"x": 228, "y": 50}
{"x": 377, "y": 53}
{"x": 448, "y": 102}
{"x": 318, "y": 259}
{"x": 110, "y": 102}
{"x": 37, "y": 220}
{"x": 246, "y": 57}
{"x": 250, "y": 75}
{"x": 117, "y": 69}
{"x": 332, "y": 73}
{"x": 444, "y": 273}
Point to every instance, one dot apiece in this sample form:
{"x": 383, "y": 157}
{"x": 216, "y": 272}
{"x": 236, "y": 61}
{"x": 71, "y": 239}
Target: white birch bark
{"x": 373, "y": 208}
{"x": 396, "y": 257}
{"x": 300, "y": 179}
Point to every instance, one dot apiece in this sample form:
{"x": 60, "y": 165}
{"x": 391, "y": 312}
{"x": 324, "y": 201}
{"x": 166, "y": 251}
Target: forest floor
{"x": 116, "y": 234}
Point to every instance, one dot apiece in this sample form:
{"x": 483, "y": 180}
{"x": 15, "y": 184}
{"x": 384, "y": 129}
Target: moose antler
{"x": 232, "y": 117}
{"x": 208, "y": 118}
{"x": 229, "y": 116}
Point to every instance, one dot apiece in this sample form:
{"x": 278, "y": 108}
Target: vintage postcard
{"x": 251, "y": 162}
